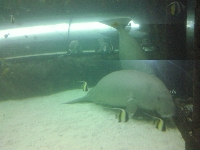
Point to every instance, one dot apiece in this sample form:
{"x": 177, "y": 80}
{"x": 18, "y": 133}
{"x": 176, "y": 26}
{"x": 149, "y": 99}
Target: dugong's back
{"x": 117, "y": 88}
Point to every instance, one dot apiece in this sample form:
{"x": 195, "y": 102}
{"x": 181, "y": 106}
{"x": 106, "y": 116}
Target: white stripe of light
{"x": 63, "y": 27}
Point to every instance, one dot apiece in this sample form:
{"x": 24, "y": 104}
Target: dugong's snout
{"x": 167, "y": 109}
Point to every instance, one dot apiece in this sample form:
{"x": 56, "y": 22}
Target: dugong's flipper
{"x": 131, "y": 107}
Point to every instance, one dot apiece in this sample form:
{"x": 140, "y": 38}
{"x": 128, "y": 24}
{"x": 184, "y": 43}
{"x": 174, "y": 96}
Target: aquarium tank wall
{"x": 137, "y": 58}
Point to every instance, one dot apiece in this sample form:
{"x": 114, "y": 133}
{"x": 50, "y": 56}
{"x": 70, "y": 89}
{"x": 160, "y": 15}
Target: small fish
{"x": 172, "y": 91}
{"x": 160, "y": 124}
{"x": 6, "y": 35}
{"x": 26, "y": 36}
{"x": 175, "y": 8}
{"x": 84, "y": 86}
{"x": 12, "y": 19}
{"x": 123, "y": 115}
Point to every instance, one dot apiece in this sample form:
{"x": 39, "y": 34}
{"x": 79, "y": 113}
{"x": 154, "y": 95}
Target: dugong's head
{"x": 165, "y": 107}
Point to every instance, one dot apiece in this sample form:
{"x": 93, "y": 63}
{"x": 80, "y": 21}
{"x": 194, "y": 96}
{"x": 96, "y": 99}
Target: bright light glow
{"x": 88, "y": 26}
{"x": 33, "y": 30}
{"x": 133, "y": 25}
{"x": 190, "y": 24}
{"x": 63, "y": 27}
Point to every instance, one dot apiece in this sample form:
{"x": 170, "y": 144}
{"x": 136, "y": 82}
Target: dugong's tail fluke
{"x": 118, "y": 23}
{"x": 79, "y": 100}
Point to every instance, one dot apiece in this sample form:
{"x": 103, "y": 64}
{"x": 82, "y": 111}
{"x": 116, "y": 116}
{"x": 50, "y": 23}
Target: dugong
{"x": 131, "y": 89}
{"x": 131, "y": 53}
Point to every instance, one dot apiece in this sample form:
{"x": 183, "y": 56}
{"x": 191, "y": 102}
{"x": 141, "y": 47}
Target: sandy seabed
{"x": 45, "y": 123}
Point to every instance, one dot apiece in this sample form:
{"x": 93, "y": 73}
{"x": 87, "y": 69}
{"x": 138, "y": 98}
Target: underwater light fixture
{"x": 62, "y": 27}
